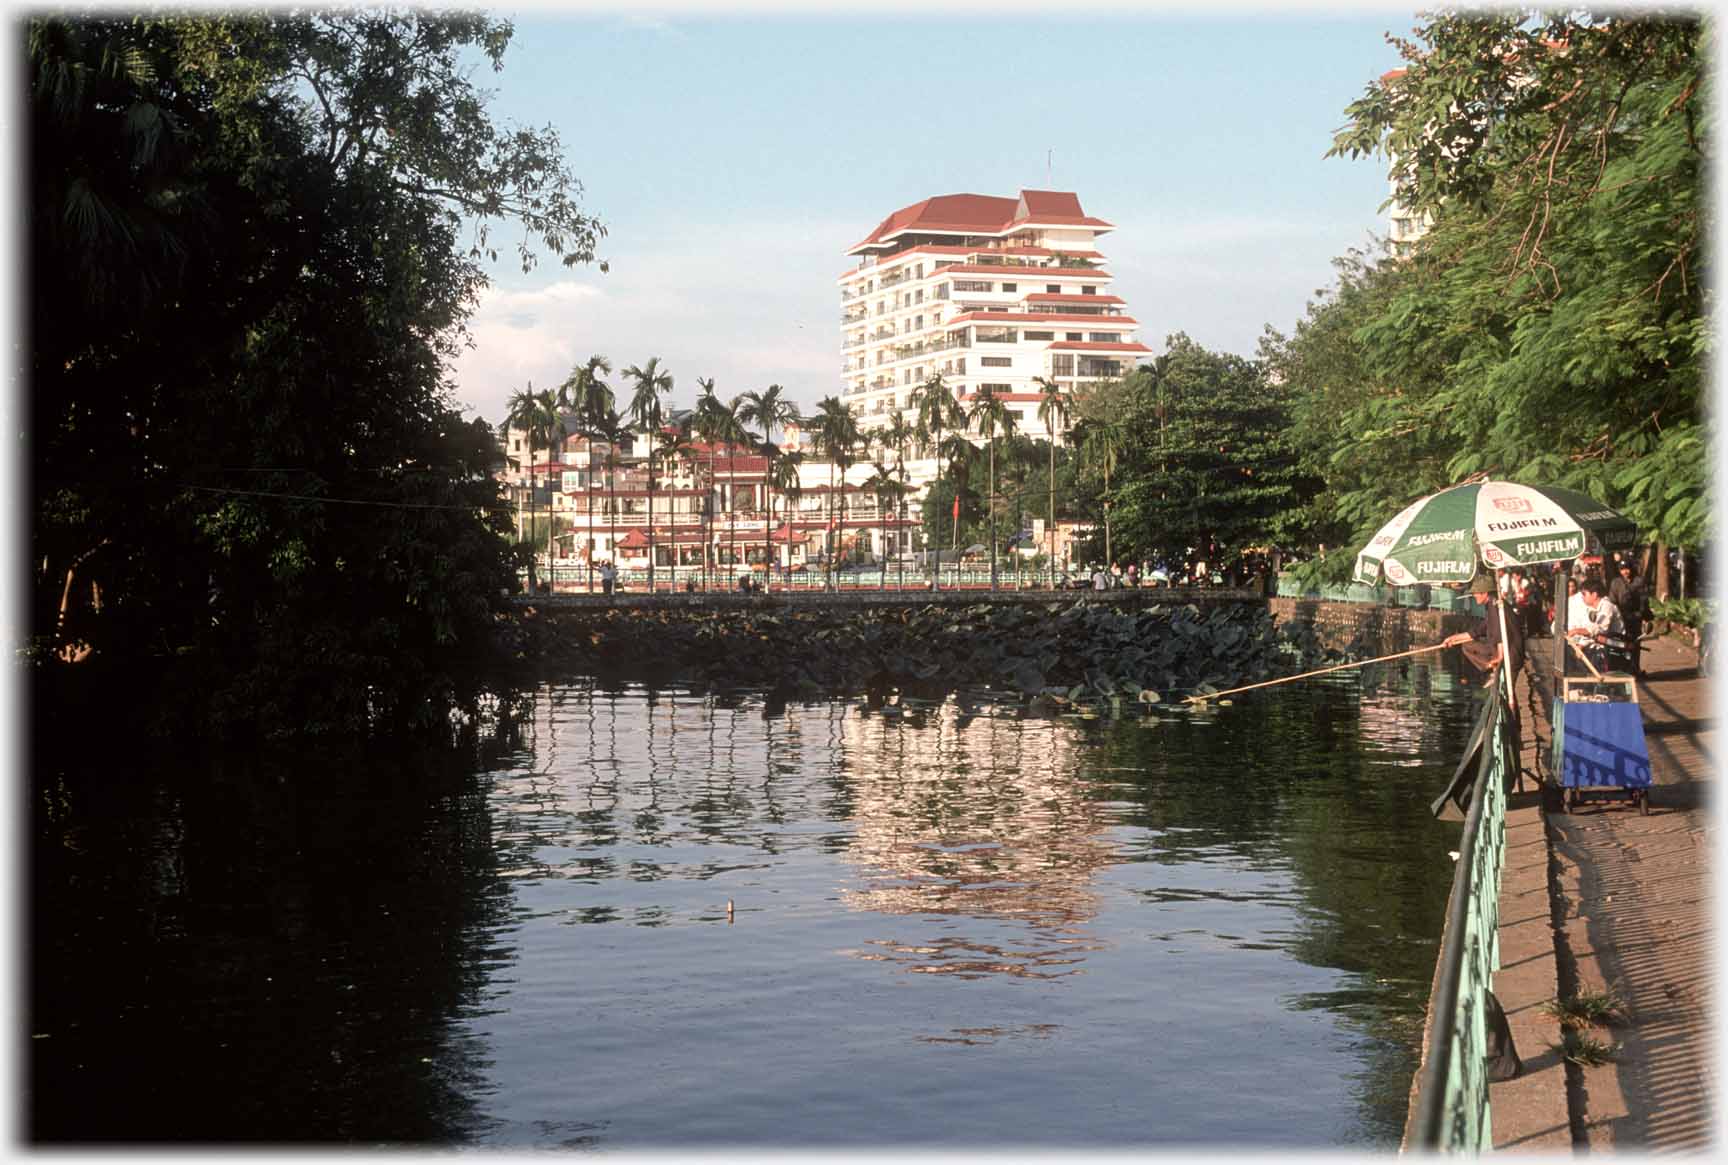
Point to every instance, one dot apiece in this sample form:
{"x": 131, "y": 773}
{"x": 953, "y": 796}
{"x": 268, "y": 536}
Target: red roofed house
{"x": 984, "y": 291}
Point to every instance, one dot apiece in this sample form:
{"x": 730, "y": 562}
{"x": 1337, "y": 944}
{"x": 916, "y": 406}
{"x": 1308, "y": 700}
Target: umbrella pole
{"x": 1506, "y": 658}
{"x": 1560, "y": 627}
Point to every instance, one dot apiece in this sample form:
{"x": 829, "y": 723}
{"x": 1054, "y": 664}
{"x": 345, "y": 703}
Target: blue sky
{"x": 735, "y": 155}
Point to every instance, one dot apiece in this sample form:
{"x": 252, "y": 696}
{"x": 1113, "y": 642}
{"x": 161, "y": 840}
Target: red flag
{"x": 956, "y": 507}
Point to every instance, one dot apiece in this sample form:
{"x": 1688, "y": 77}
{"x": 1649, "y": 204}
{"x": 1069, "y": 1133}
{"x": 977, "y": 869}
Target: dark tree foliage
{"x": 1552, "y": 325}
{"x": 1205, "y": 467}
{"x": 246, "y": 271}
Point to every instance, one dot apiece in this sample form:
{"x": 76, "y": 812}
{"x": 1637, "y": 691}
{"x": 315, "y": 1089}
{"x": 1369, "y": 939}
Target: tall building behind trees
{"x": 984, "y": 292}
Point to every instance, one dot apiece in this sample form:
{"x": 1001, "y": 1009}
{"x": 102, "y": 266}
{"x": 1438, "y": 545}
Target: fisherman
{"x": 1482, "y": 645}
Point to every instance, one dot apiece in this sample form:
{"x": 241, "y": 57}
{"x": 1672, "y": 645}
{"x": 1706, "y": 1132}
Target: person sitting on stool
{"x": 1600, "y": 634}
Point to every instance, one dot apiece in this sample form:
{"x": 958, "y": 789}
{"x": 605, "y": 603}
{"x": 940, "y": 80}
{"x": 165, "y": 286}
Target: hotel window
{"x": 1088, "y": 291}
{"x": 994, "y": 387}
{"x": 972, "y": 285}
{"x": 919, "y": 296}
{"x": 993, "y": 335}
{"x": 1075, "y": 335}
{"x": 917, "y": 323}
{"x": 1062, "y": 365}
{"x": 1106, "y": 337}
{"x": 1053, "y": 288}
{"x": 996, "y": 361}
{"x": 1010, "y": 287}
{"x": 1040, "y": 335}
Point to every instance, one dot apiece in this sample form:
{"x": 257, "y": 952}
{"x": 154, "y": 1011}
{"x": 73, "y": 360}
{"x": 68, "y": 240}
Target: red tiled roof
{"x": 1065, "y": 297}
{"x": 1042, "y": 317}
{"x": 888, "y": 262}
{"x": 1087, "y": 346}
{"x": 1028, "y": 274}
{"x": 975, "y": 213}
{"x": 982, "y": 214}
{"x": 1056, "y": 207}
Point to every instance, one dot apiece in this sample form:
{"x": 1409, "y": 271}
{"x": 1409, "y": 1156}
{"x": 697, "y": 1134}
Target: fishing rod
{"x": 1320, "y": 672}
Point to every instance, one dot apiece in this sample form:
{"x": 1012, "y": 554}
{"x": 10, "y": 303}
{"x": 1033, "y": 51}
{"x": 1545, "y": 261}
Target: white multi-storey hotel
{"x": 986, "y": 292}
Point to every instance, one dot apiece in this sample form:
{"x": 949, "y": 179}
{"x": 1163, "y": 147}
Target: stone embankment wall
{"x": 1369, "y": 629}
{"x": 852, "y": 599}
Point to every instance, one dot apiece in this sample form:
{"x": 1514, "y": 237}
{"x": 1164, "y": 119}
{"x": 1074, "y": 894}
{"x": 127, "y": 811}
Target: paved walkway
{"x": 1606, "y": 898}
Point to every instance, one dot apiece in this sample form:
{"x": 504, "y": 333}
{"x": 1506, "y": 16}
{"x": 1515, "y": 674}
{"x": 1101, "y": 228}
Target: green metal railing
{"x": 1451, "y": 1111}
{"x": 1433, "y": 598}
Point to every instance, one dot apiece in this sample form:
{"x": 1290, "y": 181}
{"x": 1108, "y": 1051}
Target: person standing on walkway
{"x": 608, "y": 576}
{"x": 1627, "y": 593}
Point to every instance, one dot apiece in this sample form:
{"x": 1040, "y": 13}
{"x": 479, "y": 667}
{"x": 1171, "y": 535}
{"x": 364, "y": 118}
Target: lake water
{"x": 664, "y": 920}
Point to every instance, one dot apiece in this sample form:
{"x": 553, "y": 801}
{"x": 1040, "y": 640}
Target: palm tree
{"x": 886, "y": 486}
{"x": 1053, "y": 412}
{"x": 673, "y": 441}
{"x": 895, "y": 435}
{"x": 588, "y": 397}
{"x": 584, "y": 393}
{"x": 991, "y": 416}
{"x": 836, "y": 437}
{"x": 651, "y": 381}
{"x": 938, "y": 412}
{"x": 707, "y": 426}
{"x": 1104, "y": 444}
{"x": 608, "y": 425}
{"x": 772, "y": 411}
{"x": 729, "y": 423}
{"x": 536, "y": 414}
{"x": 784, "y": 476}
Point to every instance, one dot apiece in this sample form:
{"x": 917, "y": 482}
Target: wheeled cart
{"x": 1599, "y": 751}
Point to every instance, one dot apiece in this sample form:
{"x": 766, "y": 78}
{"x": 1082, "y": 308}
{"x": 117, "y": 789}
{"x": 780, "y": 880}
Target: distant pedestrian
{"x": 1133, "y": 574}
{"x": 1628, "y": 594}
{"x": 608, "y": 576}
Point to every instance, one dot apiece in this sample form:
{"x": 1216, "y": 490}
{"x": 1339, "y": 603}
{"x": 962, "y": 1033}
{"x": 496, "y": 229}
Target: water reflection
{"x": 962, "y": 816}
{"x": 952, "y": 926}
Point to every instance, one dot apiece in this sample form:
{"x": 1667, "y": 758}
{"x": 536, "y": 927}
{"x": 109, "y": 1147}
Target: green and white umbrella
{"x": 1440, "y": 538}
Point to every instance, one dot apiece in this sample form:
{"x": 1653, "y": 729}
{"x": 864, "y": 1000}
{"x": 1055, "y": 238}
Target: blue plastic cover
{"x": 1600, "y": 745}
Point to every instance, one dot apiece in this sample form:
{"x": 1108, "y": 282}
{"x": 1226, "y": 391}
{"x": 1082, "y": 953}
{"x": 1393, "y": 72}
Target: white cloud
{"x": 748, "y": 303}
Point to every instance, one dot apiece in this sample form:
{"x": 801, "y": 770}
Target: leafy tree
{"x": 1552, "y": 323}
{"x": 247, "y": 272}
{"x": 1204, "y": 460}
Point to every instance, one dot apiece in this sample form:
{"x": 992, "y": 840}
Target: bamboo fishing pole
{"x": 1321, "y": 672}
{"x": 1573, "y": 644}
